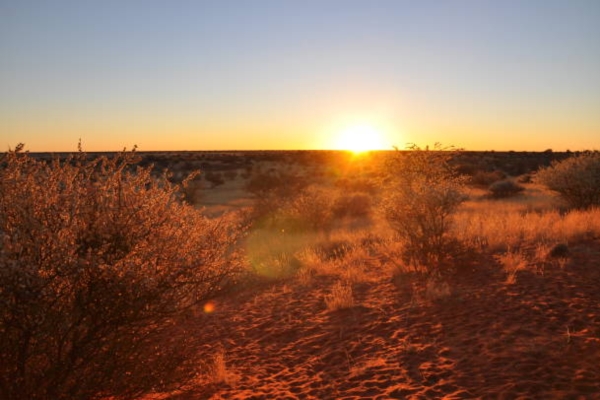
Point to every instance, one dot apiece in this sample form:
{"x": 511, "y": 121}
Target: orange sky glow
{"x": 272, "y": 75}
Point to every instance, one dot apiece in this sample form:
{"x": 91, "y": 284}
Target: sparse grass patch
{"x": 219, "y": 372}
{"x": 340, "y": 297}
{"x": 276, "y": 254}
{"x": 529, "y": 219}
{"x": 354, "y": 273}
{"x": 437, "y": 289}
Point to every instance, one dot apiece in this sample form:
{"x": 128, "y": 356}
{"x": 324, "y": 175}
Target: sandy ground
{"x": 538, "y": 338}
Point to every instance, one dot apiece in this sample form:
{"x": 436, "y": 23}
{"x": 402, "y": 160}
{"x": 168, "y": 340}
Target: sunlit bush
{"x": 423, "y": 195}
{"x": 577, "y": 179}
{"x": 98, "y": 262}
{"x": 311, "y": 209}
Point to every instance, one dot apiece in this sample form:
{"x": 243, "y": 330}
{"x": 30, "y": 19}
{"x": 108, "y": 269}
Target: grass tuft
{"x": 340, "y": 297}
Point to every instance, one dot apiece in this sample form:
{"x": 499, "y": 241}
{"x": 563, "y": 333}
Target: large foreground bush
{"x": 577, "y": 179}
{"x": 98, "y": 263}
{"x": 423, "y": 194}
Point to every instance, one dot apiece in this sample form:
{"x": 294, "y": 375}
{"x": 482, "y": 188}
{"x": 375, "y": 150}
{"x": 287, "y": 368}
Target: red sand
{"x": 536, "y": 339}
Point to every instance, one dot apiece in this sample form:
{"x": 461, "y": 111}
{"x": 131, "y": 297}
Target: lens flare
{"x": 209, "y": 307}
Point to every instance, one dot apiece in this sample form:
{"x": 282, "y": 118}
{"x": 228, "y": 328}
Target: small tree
{"x": 423, "y": 193}
{"x": 577, "y": 179}
{"x": 98, "y": 263}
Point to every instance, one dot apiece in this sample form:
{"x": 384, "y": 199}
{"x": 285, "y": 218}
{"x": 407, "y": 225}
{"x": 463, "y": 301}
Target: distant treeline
{"x": 512, "y": 163}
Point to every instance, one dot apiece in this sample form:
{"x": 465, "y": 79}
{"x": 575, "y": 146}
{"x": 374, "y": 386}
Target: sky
{"x": 287, "y": 74}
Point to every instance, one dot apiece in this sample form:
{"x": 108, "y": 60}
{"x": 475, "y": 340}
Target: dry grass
{"x": 512, "y": 262}
{"x": 529, "y": 219}
{"x": 340, "y": 297}
{"x": 365, "y": 366}
{"x": 219, "y": 372}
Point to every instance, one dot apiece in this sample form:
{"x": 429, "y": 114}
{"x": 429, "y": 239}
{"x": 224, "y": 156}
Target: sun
{"x": 359, "y": 139}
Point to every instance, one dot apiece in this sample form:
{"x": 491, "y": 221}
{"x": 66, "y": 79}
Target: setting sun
{"x": 360, "y": 138}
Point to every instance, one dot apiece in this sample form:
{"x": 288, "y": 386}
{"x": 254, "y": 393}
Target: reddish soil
{"x": 538, "y": 338}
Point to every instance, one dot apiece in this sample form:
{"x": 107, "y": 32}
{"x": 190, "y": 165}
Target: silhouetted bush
{"x": 98, "y": 263}
{"x": 423, "y": 195}
{"x": 576, "y": 178}
{"x": 505, "y": 188}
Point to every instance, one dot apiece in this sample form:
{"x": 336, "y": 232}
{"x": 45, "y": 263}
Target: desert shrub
{"x": 98, "y": 263}
{"x": 192, "y": 190}
{"x": 576, "y": 178}
{"x": 505, "y": 188}
{"x": 273, "y": 190}
{"x": 486, "y": 178}
{"x": 525, "y": 178}
{"x": 353, "y": 205}
{"x": 422, "y": 197}
{"x": 311, "y": 209}
{"x": 512, "y": 262}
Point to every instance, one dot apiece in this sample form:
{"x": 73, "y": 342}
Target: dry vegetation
{"x": 327, "y": 275}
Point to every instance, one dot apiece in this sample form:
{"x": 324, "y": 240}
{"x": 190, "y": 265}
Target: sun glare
{"x": 359, "y": 139}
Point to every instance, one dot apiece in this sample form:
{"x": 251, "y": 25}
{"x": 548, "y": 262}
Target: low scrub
{"x": 98, "y": 262}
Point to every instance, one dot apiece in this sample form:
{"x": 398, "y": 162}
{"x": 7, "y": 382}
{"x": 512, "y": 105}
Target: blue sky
{"x": 195, "y": 75}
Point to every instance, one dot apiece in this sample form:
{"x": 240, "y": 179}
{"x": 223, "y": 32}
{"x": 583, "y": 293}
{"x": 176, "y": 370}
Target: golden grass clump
{"x": 499, "y": 225}
{"x": 512, "y": 262}
{"x": 219, "y": 371}
{"x": 340, "y": 297}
